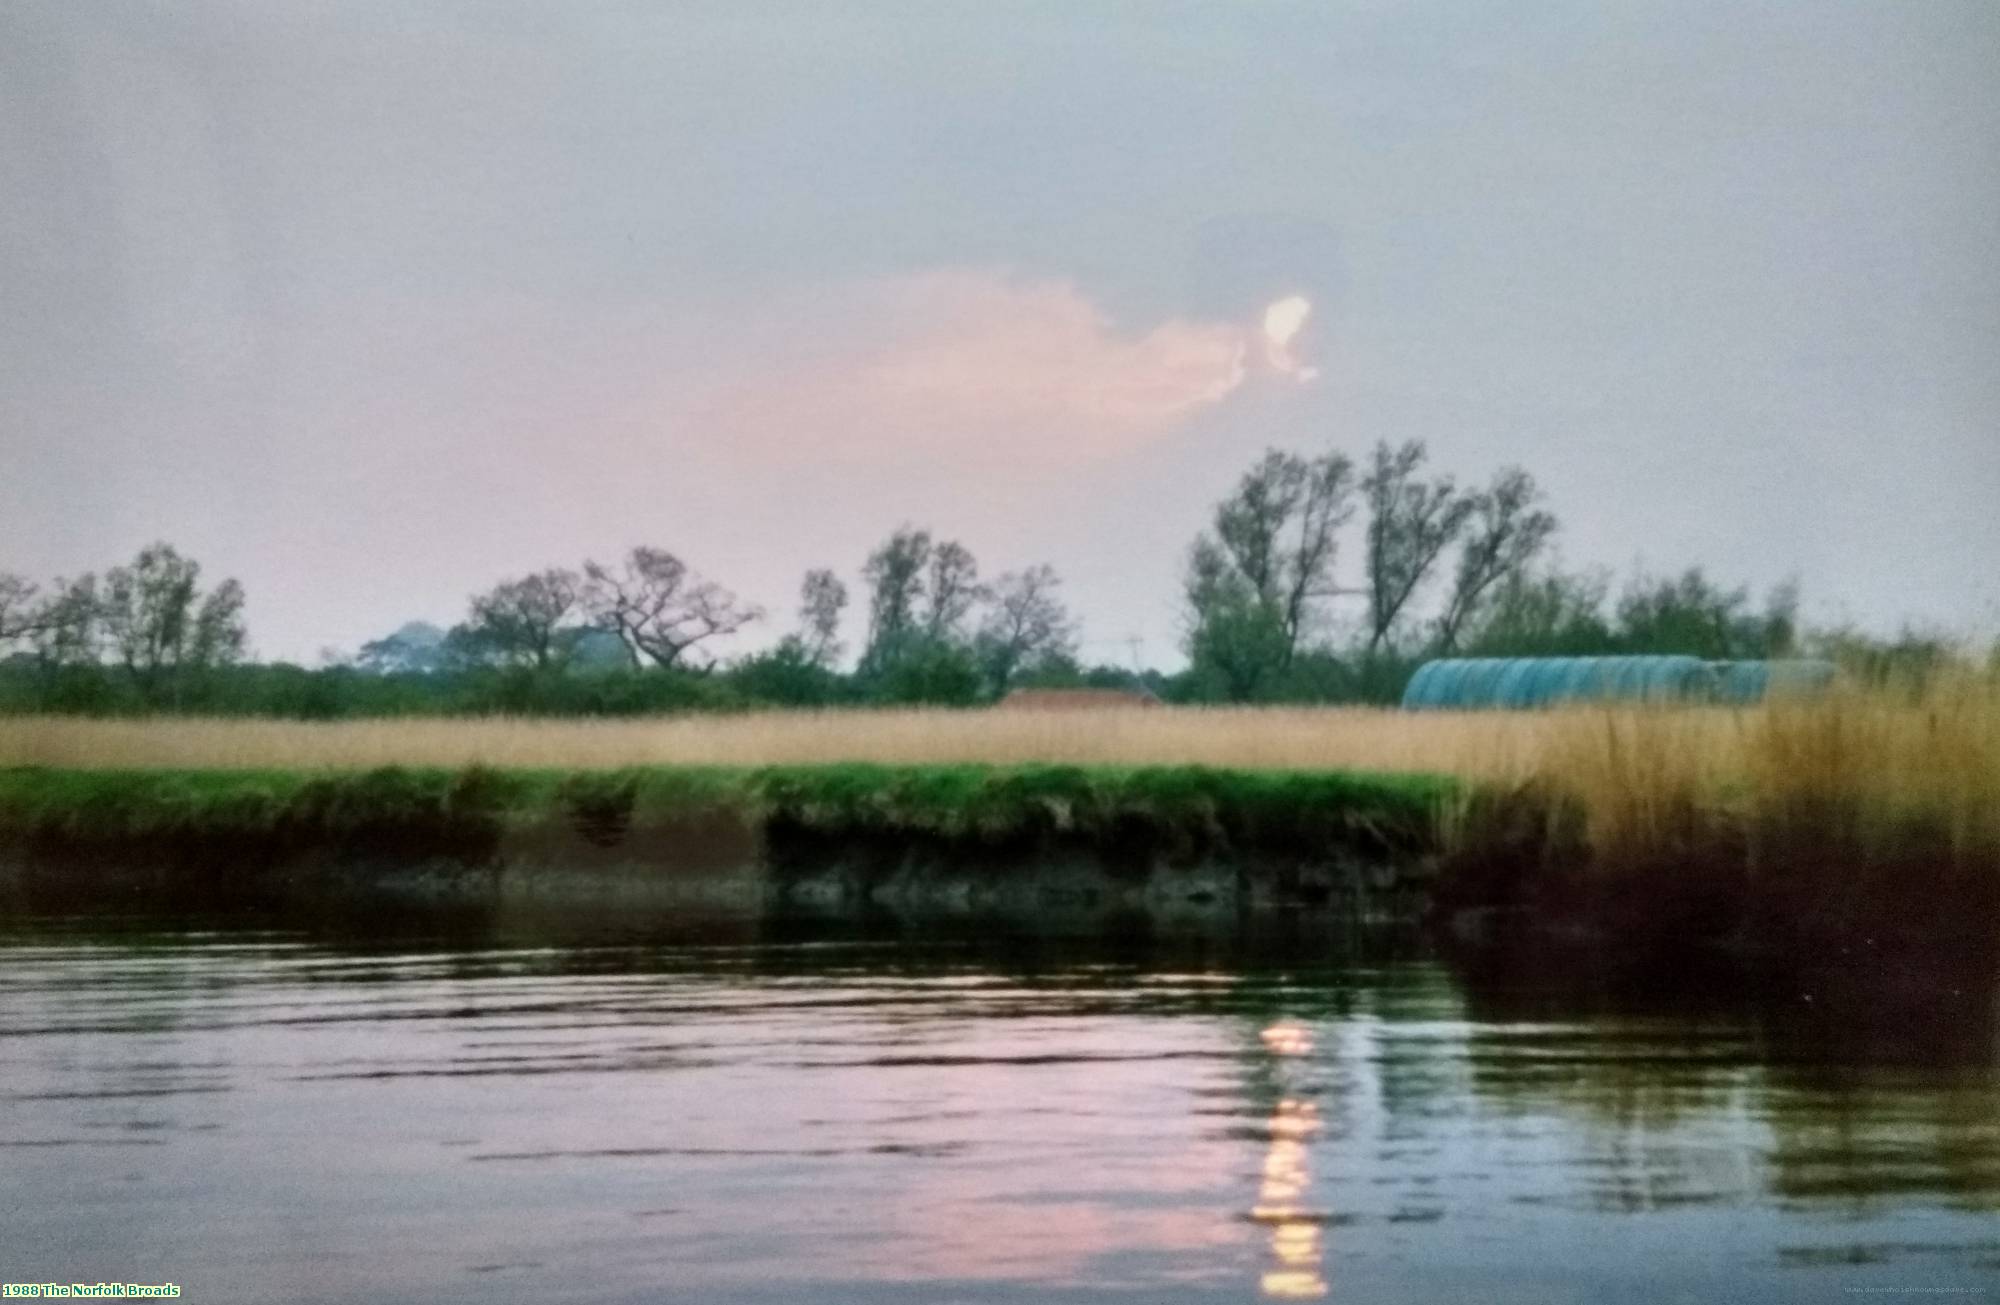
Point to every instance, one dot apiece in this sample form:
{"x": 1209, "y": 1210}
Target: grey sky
{"x": 373, "y": 304}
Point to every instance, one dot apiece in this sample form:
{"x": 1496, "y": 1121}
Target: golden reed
{"x": 1874, "y": 762}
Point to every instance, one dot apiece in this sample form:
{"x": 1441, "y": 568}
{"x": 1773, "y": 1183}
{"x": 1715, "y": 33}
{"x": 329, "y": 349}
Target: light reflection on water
{"x": 1296, "y": 1251}
{"x": 273, "y": 1117}
{"x": 1296, "y": 1248}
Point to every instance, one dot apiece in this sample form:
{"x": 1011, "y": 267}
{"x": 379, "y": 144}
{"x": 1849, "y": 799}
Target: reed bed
{"x": 1483, "y": 745}
{"x": 1867, "y": 767}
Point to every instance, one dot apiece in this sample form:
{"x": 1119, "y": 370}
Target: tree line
{"x": 1445, "y": 570}
{"x": 148, "y": 623}
{"x": 1272, "y": 612}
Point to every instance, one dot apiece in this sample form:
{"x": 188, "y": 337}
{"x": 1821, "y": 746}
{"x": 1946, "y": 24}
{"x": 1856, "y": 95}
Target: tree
{"x": 1253, "y": 585}
{"x": 953, "y": 589}
{"x": 931, "y": 671}
{"x": 1237, "y": 643}
{"x": 20, "y": 614}
{"x": 1026, "y": 625}
{"x": 66, "y": 625}
{"x": 1551, "y": 614}
{"x": 1411, "y": 523}
{"x": 1506, "y": 532}
{"x": 1685, "y": 614}
{"x": 1279, "y": 532}
{"x": 220, "y": 635}
{"x": 822, "y": 598}
{"x": 658, "y": 608}
{"x": 525, "y": 622}
{"x": 161, "y": 627}
{"x": 787, "y": 674}
{"x": 895, "y": 576}
{"x": 415, "y": 647}
{"x": 1691, "y": 615}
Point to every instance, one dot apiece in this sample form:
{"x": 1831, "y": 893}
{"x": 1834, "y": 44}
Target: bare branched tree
{"x": 1411, "y": 523}
{"x": 822, "y": 598}
{"x": 953, "y": 590}
{"x": 525, "y": 622}
{"x": 1027, "y": 623}
{"x": 1249, "y": 522}
{"x": 1274, "y": 545}
{"x": 658, "y": 608}
{"x": 1506, "y": 532}
{"x": 20, "y": 614}
{"x": 1325, "y": 505}
{"x": 66, "y": 626}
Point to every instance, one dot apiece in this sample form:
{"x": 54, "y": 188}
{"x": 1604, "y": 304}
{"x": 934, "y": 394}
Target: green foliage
{"x": 1238, "y": 646}
{"x": 1381, "y": 679}
{"x": 789, "y": 675}
{"x": 1555, "y": 614}
{"x": 1314, "y": 813}
{"x": 895, "y": 577}
{"x": 76, "y": 690}
{"x": 1551, "y": 614}
{"x": 1298, "y": 812}
{"x": 1689, "y": 614}
{"x": 162, "y": 629}
{"x": 615, "y": 693}
{"x": 1065, "y": 673}
{"x": 927, "y": 671}
{"x": 291, "y": 692}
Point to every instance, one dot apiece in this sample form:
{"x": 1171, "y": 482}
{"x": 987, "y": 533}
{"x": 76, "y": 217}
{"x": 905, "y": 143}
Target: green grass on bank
{"x": 1244, "y": 809}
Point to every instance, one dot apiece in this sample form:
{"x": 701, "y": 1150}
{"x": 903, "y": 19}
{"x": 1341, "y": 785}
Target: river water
{"x": 751, "y": 1113}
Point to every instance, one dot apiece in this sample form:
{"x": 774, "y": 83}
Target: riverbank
{"x": 1861, "y": 821}
{"x": 1754, "y": 871}
{"x": 971, "y": 836}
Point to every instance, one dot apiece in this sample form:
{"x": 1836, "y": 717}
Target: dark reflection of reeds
{"x": 1839, "y": 1088}
{"x": 1864, "y": 1112}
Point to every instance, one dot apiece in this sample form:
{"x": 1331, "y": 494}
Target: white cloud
{"x": 1283, "y": 321}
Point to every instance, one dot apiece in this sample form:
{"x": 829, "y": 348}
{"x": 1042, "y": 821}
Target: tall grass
{"x": 1854, "y": 774}
{"x": 1852, "y": 769}
{"x": 1256, "y": 739}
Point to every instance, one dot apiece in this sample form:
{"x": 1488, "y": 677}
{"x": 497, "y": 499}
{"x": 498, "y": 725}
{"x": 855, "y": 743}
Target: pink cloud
{"x": 963, "y": 361}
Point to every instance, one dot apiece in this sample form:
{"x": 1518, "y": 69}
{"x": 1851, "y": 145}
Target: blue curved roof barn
{"x": 1472, "y": 683}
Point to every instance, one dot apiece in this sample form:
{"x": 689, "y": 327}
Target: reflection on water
{"x": 749, "y": 1117}
{"x": 1296, "y": 1250}
{"x": 1295, "y": 1230}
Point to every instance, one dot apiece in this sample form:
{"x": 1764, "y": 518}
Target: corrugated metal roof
{"x": 1468, "y": 683}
